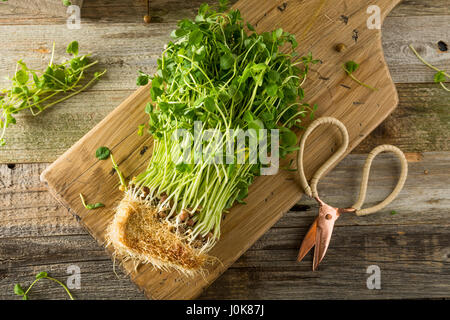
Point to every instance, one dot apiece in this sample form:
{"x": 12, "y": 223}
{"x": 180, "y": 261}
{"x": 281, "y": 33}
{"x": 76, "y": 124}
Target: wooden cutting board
{"x": 319, "y": 25}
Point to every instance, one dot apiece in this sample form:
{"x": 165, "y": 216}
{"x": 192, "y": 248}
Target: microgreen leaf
{"x": 72, "y": 48}
{"x": 21, "y": 77}
{"x": 94, "y": 206}
{"x": 140, "y": 131}
{"x": 250, "y": 27}
{"x": 142, "y": 80}
{"x": 439, "y": 77}
{"x": 102, "y": 153}
{"x": 195, "y": 37}
{"x": 18, "y": 290}
{"x": 57, "y": 83}
{"x": 66, "y": 3}
{"x": 90, "y": 206}
{"x": 41, "y": 274}
{"x": 226, "y": 62}
{"x": 351, "y": 66}
{"x": 288, "y": 137}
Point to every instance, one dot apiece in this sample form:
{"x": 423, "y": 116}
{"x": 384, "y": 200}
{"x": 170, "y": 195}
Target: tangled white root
{"x": 138, "y": 234}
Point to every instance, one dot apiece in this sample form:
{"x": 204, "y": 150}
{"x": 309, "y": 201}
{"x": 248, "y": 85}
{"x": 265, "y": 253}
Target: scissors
{"x": 319, "y": 234}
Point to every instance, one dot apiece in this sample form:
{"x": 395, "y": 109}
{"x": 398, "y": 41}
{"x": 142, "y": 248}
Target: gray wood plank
{"x": 38, "y": 234}
{"x": 125, "y": 48}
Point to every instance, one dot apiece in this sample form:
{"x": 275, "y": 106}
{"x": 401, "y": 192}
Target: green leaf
{"x": 226, "y": 62}
{"x": 209, "y": 104}
{"x": 155, "y": 93}
{"x": 142, "y": 80}
{"x": 66, "y": 3}
{"x": 102, "y": 153}
{"x": 157, "y": 82}
{"x": 21, "y": 77}
{"x": 41, "y": 274}
{"x": 94, "y": 206}
{"x": 288, "y": 137}
{"x": 18, "y": 290}
{"x": 140, "y": 131}
{"x": 351, "y": 66}
{"x": 393, "y": 212}
{"x": 439, "y": 77}
{"x": 272, "y": 89}
{"x": 72, "y": 48}
{"x": 248, "y": 116}
{"x": 277, "y": 33}
{"x": 182, "y": 167}
{"x": 274, "y": 76}
{"x": 148, "y": 108}
{"x": 195, "y": 37}
{"x": 256, "y": 125}
{"x": 250, "y": 27}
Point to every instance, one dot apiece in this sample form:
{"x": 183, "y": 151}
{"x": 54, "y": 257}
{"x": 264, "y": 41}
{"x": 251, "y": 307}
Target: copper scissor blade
{"x": 319, "y": 234}
{"x": 308, "y": 241}
{"x": 323, "y": 237}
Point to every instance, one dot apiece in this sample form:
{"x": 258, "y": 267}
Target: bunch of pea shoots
{"x": 217, "y": 74}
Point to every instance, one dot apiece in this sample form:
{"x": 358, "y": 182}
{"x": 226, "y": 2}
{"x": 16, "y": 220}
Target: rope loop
{"x": 311, "y": 191}
{"x": 365, "y": 180}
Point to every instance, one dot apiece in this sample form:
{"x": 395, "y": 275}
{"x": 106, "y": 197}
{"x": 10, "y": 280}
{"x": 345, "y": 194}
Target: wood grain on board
{"x": 77, "y": 171}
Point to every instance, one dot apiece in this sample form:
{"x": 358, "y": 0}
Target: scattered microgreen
{"x": 440, "y": 76}
{"x": 393, "y": 212}
{"x": 352, "y": 66}
{"x": 66, "y": 3}
{"x": 18, "y": 290}
{"x": 102, "y": 153}
{"x": 140, "y": 131}
{"x": 123, "y": 186}
{"x": 38, "y": 90}
{"x": 91, "y": 206}
{"x": 218, "y": 71}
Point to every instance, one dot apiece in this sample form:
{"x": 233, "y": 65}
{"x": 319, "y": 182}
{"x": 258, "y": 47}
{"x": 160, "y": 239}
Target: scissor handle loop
{"x": 312, "y": 191}
{"x": 365, "y": 179}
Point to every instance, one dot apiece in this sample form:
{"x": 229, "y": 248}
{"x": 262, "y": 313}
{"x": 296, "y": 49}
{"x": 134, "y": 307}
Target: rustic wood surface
{"x": 411, "y": 247}
{"x": 48, "y": 7}
{"x": 124, "y": 42}
{"x": 78, "y": 171}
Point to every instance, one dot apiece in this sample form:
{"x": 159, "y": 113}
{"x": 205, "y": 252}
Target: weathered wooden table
{"x": 411, "y": 247}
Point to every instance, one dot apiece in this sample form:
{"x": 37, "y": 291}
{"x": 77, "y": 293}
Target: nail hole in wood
{"x": 442, "y": 46}
{"x": 143, "y": 150}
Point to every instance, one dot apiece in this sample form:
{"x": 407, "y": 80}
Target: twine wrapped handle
{"x": 311, "y": 191}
